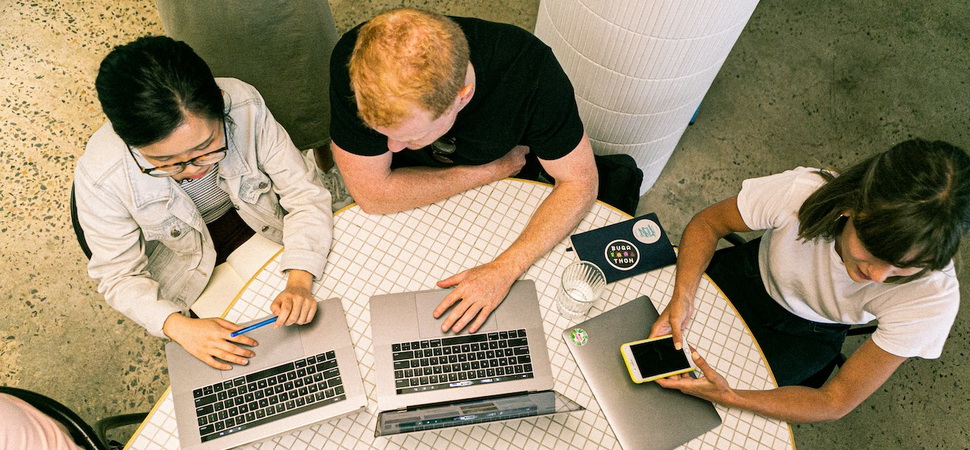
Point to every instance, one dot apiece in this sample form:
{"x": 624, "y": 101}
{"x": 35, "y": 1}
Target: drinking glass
{"x": 582, "y": 284}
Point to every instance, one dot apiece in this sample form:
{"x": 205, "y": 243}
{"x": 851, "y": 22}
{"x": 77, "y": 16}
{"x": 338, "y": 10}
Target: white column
{"x": 641, "y": 67}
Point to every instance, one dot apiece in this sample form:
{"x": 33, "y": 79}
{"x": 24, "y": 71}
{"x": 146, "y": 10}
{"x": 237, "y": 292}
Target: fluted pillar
{"x": 641, "y": 67}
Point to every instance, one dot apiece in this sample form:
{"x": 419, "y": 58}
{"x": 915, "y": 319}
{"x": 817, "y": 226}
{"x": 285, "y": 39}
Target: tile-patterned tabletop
{"x": 411, "y": 250}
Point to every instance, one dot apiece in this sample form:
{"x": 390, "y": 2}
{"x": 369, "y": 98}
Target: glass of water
{"x": 582, "y": 284}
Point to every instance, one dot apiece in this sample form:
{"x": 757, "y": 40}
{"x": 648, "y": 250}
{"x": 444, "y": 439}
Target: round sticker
{"x": 646, "y": 231}
{"x": 622, "y": 254}
{"x": 579, "y": 337}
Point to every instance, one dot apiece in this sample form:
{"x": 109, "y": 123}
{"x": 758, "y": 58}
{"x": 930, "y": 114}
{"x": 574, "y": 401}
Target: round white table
{"x": 412, "y": 250}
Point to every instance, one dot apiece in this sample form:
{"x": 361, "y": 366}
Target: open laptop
{"x": 427, "y": 379}
{"x": 301, "y": 375}
{"x": 643, "y": 416}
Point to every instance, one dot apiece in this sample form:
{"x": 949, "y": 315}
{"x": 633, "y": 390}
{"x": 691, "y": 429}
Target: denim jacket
{"x": 152, "y": 254}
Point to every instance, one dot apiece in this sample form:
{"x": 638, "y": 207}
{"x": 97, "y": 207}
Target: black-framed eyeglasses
{"x": 442, "y": 148}
{"x": 205, "y": 160}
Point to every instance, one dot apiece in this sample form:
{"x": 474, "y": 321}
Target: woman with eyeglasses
{"x": 187, "y": 169}
{"x": 875, "y": 242}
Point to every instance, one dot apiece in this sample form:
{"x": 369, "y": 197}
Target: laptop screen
{"x": 474, "y": 411}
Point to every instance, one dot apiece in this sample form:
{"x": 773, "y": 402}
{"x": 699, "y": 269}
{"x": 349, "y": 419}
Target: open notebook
{"x": 229, "y": 277}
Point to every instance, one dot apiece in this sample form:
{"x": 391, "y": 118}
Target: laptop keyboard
{"x": 459, "y": 361}
{"x": 270, "y": 394}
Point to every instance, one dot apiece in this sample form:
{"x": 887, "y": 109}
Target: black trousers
{"x": 228, "y": 233}
{"x": 795, "y": 348}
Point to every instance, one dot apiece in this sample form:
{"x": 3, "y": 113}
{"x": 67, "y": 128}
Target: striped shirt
{"x": 211, "y": 201}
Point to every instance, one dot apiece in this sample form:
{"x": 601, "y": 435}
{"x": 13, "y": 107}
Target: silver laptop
{"x": 300, "y": 376}
{"x": 643, "y": 416}
{"x": 427, "y": 379}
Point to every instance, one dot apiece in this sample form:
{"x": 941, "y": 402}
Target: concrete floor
{"x": 809, "y": 83}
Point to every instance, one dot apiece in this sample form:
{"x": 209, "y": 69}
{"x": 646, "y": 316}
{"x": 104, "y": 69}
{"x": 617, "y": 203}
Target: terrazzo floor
{"x": 808, "y": 83}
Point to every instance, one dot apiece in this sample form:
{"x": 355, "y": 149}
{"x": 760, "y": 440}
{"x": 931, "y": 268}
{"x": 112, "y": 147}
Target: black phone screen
{"x": 658, "y": 357}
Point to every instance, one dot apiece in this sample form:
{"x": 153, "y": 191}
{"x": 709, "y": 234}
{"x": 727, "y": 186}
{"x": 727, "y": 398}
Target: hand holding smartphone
{"x": 654, "y": 358}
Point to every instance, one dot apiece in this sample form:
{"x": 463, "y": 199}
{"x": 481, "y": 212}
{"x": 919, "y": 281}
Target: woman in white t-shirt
{"x": 873, "y": 243}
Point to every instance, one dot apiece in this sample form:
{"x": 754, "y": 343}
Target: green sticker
{"x": 579, "y": 337}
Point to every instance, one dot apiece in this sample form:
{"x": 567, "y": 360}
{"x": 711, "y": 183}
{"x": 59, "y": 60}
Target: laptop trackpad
{"x": 428, "y": 326}
{"x": 276, "y": 346}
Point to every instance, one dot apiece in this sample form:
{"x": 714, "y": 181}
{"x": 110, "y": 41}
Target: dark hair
{"x": 146, "y": 87}
{"x": 910, "y": 205}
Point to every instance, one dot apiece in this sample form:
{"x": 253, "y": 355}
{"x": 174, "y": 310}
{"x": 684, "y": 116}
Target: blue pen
{"x": 253, "y": 327}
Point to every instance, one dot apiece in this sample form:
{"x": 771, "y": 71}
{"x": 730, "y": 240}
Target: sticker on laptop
{"x": 579, "y": 337}
{"x": 622, "y": 254}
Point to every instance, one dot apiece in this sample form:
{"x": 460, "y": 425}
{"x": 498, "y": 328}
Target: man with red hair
{"x": 424, "y": 107}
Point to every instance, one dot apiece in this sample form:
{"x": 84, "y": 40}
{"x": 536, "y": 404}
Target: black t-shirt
{"x": 522, "y": 97}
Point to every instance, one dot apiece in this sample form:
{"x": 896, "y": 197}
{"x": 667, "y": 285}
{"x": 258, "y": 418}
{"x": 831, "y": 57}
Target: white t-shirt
{"x": 810, "y": 280}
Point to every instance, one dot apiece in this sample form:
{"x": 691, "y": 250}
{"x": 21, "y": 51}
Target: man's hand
{"x": 378, "y": 189}
{"x": 208, "y": 340}
{"x": 478, "y": 292}
{"x": 710, "y": 386}
{"x": 295, "y": 304}
{"x": 510, "y": 164}
{"x": 673, "y": 320}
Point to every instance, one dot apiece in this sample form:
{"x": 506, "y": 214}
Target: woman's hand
{"x": 673, "y": 320}
{"x": 710, "y": 386}
{"x": 697, "y": 246}
{"x": 208, "y": 340}
{"x": 295, "y": 304}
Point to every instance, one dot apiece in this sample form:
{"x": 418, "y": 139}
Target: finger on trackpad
{"x": 276, "y": 346}
{"x": 430, "y": 327}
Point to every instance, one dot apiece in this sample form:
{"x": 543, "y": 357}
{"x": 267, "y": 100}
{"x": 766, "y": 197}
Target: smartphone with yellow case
{"x": 650, "y": 359}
